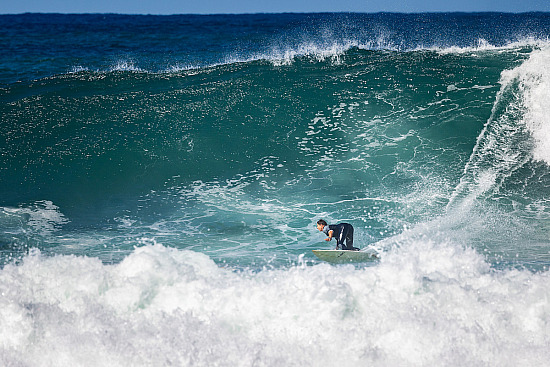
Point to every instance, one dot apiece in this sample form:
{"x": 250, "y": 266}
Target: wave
{"x": 160, "y": 209}
{"x": 515, "y": 134}
{"x": 320, "y": 52}
{"x": 334, "y": 52}
{"x": 242, "y": 157}
{"x": 157, "y": 44}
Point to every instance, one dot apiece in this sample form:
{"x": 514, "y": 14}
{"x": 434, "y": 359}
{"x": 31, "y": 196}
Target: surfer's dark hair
{"x": 321, "y": 222}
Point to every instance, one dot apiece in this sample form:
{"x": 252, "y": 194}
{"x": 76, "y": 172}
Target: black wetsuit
{"x": 342, "y": 232}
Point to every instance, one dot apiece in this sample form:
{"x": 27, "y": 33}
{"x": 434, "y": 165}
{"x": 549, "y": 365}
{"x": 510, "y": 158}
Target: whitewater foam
{"x": 426, "y": 303}
{"x": 24, "y": 226}
{"x": 516, "y": 132}
{"x": 534, "y": 85}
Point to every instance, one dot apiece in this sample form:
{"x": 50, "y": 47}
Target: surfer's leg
{"x": 349, "y": 238}
{"x": 340, "y": 241}
{"x": 347, "y": 235}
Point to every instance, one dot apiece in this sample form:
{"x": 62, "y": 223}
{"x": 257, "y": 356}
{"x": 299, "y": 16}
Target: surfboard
{"x": 345, "y": 256}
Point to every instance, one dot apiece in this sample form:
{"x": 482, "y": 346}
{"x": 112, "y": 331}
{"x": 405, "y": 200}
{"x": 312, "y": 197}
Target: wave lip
{"x": 44, "y": 51}
{"x": 534, "y": 79}
{"x": 484, "y": 45}
{"x": 315, "y": 51}
{"x": 516, "y": 132}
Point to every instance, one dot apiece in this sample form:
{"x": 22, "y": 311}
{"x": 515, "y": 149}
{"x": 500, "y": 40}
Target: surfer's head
{"x": 321, "y": 224}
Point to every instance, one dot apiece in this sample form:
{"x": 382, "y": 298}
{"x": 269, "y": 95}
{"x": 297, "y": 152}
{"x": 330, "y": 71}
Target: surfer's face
{"x": 320, "y": 227}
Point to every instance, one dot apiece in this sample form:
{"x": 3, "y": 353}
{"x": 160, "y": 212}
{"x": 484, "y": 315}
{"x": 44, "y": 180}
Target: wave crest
{"x": 516, "y": 132}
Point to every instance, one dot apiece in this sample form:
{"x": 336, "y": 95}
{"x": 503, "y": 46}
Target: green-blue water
{"x": 185, "y": 160}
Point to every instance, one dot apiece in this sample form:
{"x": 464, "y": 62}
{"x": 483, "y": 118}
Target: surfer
{"x": 341, "y": 231}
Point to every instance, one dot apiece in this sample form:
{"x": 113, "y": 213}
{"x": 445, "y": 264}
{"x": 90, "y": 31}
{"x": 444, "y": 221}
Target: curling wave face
{"x": 238, "y": 160}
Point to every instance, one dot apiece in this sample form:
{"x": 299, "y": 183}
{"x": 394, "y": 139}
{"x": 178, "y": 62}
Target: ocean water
{"x": 161, "y": 177}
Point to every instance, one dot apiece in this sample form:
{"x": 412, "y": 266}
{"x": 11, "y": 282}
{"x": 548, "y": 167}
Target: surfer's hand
{"x": 328, "y": 238}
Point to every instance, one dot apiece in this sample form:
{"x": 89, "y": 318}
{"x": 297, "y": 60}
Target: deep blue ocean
{"x": 161, "y": 177}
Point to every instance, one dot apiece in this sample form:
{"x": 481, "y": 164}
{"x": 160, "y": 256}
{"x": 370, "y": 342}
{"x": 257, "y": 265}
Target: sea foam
{"x": 516, "y": 132}
{"x": 534, "y": 84}
{"x": 426, "y": 303}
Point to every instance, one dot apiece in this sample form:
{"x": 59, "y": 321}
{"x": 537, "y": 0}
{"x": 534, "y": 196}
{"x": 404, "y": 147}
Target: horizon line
{"x": 284, "y": 13}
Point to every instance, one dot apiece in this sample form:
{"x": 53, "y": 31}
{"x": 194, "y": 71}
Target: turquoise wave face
{"x": 217, "y": 122}
{"x": 240, "y": 160}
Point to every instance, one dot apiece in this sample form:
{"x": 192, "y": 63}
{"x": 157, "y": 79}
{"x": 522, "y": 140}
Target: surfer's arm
{"x": 330, "y": 233}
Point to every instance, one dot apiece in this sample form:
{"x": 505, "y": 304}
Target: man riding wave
{"x": 343, "y": 232}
